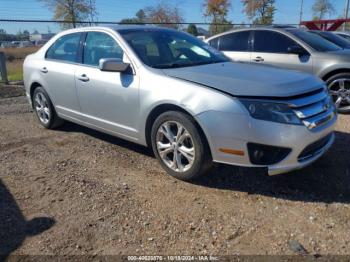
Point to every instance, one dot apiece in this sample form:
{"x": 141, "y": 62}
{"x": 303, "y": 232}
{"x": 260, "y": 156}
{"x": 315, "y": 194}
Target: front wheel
{"x": 339, "y": 89}
{"x": 180, "y": 146}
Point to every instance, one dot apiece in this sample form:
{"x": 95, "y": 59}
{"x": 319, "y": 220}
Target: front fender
{"x": 332, "y": 68}
{"x": 192, "y": 98}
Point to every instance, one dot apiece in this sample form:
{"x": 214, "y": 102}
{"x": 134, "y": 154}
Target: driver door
{"x": 108, "y": 100}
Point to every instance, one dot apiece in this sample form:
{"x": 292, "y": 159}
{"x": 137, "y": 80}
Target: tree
{"x": 23, "y": 35}
{"x": 322, "y": 7}
{"x": 260, "y": 12}
{"x": 217, "y": 10}
{"x": 140, "y": 18}
{"x": 192, "y": 29}
{"x": 164, "y": 14}
{"x": 72, "y": 11}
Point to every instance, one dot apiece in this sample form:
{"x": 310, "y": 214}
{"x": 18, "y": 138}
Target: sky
{"x": 115, "y": 10}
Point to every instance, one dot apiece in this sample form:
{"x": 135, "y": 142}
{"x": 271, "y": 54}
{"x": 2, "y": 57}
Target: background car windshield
{"x": 315, "y": 41}
{"x": 170, "y": 49}
{"x": 338, "y": 40}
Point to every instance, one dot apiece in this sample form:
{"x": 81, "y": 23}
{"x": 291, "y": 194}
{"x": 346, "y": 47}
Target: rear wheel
{"x": 180, "y": 146}
{"x": 339, "y": 89}
{"x": 44, "y": 109}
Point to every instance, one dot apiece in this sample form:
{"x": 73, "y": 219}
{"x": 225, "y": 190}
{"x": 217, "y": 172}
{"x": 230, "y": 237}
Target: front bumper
{"x": 278, "y": 169}
{"x": 235, "y": 131}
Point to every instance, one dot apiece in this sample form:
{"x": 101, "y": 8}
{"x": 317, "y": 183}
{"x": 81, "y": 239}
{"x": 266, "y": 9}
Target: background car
{"x": 345, "y": 35}
{"x": 334, "y": 38}
{"x": 295, "y": 49}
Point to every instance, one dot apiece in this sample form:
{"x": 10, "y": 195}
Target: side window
{"x": 272, "y": 42}
{"x": 65, "y": 48}
{"x": 214, "y": 43}
{"x": 100, "y": 45}
{"x": 237, "y": 42}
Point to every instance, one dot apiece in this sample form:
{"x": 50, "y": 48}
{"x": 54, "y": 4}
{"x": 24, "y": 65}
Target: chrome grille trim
{"x": 307, "y": 100}
{"x": 319, "y": 120}
{"x": 314, "y": 110}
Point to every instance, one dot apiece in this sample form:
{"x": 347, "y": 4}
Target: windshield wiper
{"x": 177, "y": 65}
{"x": 169, "y": 65}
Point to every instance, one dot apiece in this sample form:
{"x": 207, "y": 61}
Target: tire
{"x": 176, "y": 139}
{"x": 45, "y": 110}
{"x": 339, "y": 88}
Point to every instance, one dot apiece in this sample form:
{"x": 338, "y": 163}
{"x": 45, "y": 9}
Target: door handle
{"x": 83, "y": 78}
{"x": 258, "y": 59}
{"x": 44, "y": 70}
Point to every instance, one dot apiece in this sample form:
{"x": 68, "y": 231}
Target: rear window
{"x": 65, "y": 48}
{"x": 235, "y": 42}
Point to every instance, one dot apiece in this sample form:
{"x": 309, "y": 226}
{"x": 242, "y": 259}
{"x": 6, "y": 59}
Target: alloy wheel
{"x": 42, "y": 108}
{"x": 339, "y": 89}
{"x": 175, "y": 146}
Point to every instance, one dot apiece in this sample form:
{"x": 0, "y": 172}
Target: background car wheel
{"x": 180, "y": 146}
{"x": 44, "y": 109}
{"x": 339, "y": 88}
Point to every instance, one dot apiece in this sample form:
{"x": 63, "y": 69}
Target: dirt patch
{"x": 7, "y": 91}
{"x": 96, "y": 194}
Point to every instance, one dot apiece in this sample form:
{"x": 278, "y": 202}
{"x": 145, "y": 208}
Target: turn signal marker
{"x": 232, "y": 151}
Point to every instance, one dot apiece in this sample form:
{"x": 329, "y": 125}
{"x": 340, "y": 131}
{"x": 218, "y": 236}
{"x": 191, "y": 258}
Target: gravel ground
{"x": 78, "y": 191}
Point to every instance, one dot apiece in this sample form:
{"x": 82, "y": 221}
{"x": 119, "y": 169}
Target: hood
{"x": 240, "y": 79}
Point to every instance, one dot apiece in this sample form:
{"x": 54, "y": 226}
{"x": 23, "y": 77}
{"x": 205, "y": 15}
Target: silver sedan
{"x": 168, "y": 90}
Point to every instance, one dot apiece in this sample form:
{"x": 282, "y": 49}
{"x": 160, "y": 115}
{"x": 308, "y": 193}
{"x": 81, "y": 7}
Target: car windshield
{"x": 339, "y": 41}
{"x": 315, "y": 41}
{"x": 159, "y": 48}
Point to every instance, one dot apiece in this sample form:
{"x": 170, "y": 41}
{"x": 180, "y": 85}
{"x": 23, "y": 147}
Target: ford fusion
{"x": 168, "y": 90}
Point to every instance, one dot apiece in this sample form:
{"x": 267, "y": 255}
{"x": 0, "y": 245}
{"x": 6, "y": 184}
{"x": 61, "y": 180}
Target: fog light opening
{"x": 266, "y": 155}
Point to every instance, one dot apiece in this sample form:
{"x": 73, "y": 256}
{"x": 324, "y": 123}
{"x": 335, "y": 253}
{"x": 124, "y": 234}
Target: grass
{"x": 15, "y": 70}
{"x": 18, "y": 53}
{"x": 14, "y": 61}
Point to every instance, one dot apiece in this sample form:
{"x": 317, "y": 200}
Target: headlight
{"x": 269, "y": 111}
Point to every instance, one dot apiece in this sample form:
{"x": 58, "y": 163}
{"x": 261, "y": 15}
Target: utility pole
{"x": 346, "y": 13}
{"x": 301, "y": 12}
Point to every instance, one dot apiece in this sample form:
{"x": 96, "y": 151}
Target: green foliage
{"x": 217, "y": 10}
{"x": 260, "y": 11}
{"x": 20, "y": 36}
{"x": 163, "y": 14}
{"x": 139, "y": 18}
{"x": 72, "y": 11}
{"x": 192, "y": 29}
{"x": 322, "y": 7}
{"x": 218, "y": 27}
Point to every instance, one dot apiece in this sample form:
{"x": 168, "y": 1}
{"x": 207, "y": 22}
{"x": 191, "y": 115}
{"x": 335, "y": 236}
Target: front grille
{"x": 314, "y": 109}
{"x": 312, "y": 150}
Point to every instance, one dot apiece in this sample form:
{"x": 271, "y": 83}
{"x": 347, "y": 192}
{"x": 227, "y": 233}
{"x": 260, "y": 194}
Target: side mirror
{"x": 297, "y": 50}
{"x": 113, "y": 65}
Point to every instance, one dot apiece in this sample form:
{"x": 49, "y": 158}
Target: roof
{"x": 121, "y": 27}
{"x": 271, "y": 28}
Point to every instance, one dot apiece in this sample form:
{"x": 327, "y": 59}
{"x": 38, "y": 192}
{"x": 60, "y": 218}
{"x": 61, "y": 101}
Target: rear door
{"x": 270, "y": 47}
{"x": 58, "y": 69}
{"x": 236, "y": 46}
